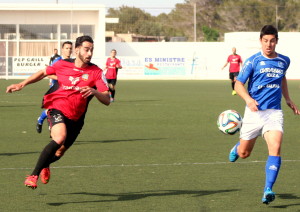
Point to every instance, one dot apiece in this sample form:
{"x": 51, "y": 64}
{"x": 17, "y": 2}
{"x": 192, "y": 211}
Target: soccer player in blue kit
{"x": 265, "y": 72}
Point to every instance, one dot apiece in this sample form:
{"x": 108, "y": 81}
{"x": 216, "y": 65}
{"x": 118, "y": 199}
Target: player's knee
{"x": 59, "y": 139}
{"x": 244, "y": 154}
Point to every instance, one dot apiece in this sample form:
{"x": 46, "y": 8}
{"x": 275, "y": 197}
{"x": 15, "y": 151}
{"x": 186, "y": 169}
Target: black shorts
{"x": 112, "y": 81}
{"x": 73, "y": 127}
{"x": 232, "y": 75}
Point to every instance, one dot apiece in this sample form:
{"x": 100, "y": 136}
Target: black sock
{"x": 113, "y": 93}
{"x": 54, "y": 158}
{"x": 48, "y": 152}
{"x": 232, "y": 85}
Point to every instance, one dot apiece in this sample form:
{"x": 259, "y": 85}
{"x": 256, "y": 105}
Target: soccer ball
{"x": 229, "y": 122}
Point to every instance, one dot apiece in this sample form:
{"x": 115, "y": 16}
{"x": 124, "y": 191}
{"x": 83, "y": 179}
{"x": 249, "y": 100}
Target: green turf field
{"x": 157, "y": 148}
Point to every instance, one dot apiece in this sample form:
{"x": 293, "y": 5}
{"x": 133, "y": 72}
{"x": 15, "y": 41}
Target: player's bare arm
{"x": 53, "y": 77}
{"x": 102, "y": 97}
{"x": 285, "y": 93}
{"x": 225, "y": 65}
{"x": 32, "y": 79}
{"x": 242, "y": 92}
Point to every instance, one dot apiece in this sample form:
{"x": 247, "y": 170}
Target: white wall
{"x": 208, "y": 57}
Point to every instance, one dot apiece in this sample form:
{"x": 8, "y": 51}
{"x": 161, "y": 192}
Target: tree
{"x": 210, "y": 34}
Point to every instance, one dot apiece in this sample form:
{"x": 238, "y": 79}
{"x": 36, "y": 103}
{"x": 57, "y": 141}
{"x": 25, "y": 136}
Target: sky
{"x": 153, "y": 7}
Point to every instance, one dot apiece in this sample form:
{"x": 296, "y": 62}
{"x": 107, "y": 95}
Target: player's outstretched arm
{"x": 242, "y": 92}
{"x": 224, "y": 65}
{"x": 32, "y": 79}
{"x": 102, "y": 97}
{"x": 285, "y": 93}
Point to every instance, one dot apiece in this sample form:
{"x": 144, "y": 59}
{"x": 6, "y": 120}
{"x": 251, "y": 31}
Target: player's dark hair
{"x": 82, "y": 39}
{"x": 113, "y": 50}
{"x": 269, "y": 30}
{"x": 65, "y": 43}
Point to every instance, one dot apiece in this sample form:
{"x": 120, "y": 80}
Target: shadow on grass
{"x": 288, "y": 197}
{"x": 140, "y": 195}
{"x": 17, "y": 153}
{"x": 119, "y": 140}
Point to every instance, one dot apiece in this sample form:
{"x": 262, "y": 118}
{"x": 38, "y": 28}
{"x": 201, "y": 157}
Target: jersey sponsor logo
{"x": 74, "y": 80}
{"x": 268, "y": 86}
{"x": 85, "y": 77}
{"x": 65, "y": 87}
{"x": 271, "y": 72}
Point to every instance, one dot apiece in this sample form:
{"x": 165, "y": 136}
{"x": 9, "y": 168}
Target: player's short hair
{"x": 82, "y": 39}
{"x": 113, "y": 50}
{"x": 65, "y": 43}
{"x": 269, "y": 30}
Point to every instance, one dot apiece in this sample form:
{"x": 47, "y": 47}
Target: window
{"x": 87, "y": 30}
{"x": 66, "y": 32}
{"x": 38, "y": 32}
{"x": 8, "y": 31}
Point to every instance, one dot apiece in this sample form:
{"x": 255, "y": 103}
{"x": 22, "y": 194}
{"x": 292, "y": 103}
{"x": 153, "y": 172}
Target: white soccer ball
{"x": 229, "y": 122}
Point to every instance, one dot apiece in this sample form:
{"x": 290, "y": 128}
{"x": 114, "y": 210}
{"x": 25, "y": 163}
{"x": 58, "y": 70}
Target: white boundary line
{"x": 147, "y": 165}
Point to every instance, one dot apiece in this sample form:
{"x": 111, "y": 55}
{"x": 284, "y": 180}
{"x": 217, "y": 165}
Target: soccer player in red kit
{"x": 79, "y": 81}
{"x": 235, "y": 62}
{"x": 113, "y": 64}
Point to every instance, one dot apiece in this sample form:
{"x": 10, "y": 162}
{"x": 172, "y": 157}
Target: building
{"x": 35, "y": 30}
{"x": 131, "y": 37}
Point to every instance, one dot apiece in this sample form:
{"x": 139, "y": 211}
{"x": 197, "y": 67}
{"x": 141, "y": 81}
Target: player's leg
{"x": 235, "y": 74}
{"x": 58, "y": 134}
{"x": 73, "y": 130}
{"x": 250, "y": 130}
{"x": 45, "y": 173}
{"x": 242, "y": 149}
{"x": 112, "y": 91}
{"x": 40, "y": 121}
{"x": 273, "y": 133}
{"x": 274, "y": 140}
{"x": 231, "y": 77}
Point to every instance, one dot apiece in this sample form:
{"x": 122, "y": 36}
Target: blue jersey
{"x": 52, "y": 81}
{"x": 57, "y": 59}
{"x": 265, "y": 77}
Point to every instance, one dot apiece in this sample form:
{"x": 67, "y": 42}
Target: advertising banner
{"x": 26, "y": 66}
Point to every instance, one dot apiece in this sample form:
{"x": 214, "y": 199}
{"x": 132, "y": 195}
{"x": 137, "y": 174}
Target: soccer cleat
{"x": 31, "y": 181}
{"x": 45, "y": 175}
{"x": 233, "y": 155}
{"x": 39, "y": 127}
{"x": 233, "y": 93}
{"x": 268, "y": 196}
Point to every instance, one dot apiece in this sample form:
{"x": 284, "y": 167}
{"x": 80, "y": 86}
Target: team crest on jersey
{"x": 74, "y": 80}
{"x": 85, "y": 77}
{"x": 57, "y": 118}
{"x": 280, "y": 64}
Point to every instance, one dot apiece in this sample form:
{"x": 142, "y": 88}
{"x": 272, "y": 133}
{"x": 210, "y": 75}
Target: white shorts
{"x": 259, "y": 122}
